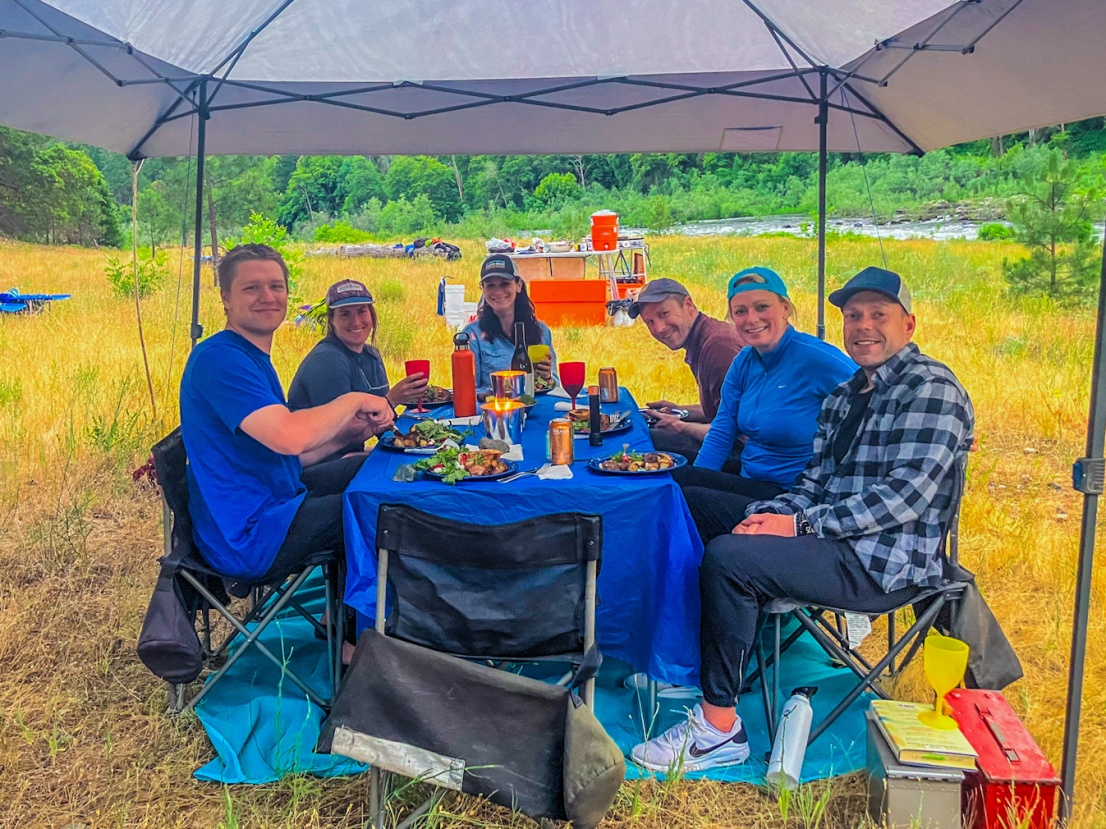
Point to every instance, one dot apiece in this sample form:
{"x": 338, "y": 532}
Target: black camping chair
{"x": 201, "y": 590}
{"x": 827, "y": 625}
{"x": 522, "y": 592}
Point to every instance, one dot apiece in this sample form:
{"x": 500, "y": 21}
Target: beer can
{"x": 608, "y": 385}
{"x": 561, "y": 447}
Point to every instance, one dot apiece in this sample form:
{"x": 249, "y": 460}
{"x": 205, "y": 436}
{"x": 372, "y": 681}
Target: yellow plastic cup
{"x": 538, "y": 353}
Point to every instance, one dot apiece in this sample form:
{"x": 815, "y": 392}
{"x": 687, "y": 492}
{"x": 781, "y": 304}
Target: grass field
{"x": 84, "y": 740}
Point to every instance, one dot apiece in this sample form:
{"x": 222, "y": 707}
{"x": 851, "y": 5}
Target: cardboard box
{"x": 532, "y": 267}
{"x": 911, "y": 797}
{"x": 1016, "y": 785}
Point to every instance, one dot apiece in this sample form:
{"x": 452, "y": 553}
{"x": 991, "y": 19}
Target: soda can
{"x": 561, "y": 446}
{"x": 608, "y": 385}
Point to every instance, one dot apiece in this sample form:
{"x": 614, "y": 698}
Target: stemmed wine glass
{"x": 418, "y": 367}
{"x": 572, "y": 378}
{"x": 945, "y": 661}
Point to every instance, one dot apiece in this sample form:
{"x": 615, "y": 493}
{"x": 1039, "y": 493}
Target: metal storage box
{"x": 912, "y": 797}
{"x": 1016, "y": 785}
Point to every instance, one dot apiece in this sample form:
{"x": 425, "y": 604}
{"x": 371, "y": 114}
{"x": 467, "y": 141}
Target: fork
{"x": 518, "y": 475}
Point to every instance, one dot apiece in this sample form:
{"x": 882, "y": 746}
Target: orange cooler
{"x": 604, "y": 230}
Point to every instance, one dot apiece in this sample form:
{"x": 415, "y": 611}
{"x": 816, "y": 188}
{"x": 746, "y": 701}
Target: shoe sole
{"x": 689, "y": 767}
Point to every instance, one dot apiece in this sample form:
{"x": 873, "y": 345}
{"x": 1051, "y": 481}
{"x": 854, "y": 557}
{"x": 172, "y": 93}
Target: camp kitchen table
{"x": 648, "y": 614}
{"x": 561, "y": 291}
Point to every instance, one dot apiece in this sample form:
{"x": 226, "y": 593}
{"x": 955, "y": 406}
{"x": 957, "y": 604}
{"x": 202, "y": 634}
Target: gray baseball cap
{"x": 657, "y": 291}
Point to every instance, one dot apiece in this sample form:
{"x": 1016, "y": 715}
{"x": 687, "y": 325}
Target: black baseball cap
{"x": 498, "y": 265}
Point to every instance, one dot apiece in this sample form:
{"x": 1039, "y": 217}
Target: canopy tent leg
{"x": 1091, "y": 487}
{"x": 197, "y": 329}
{"x": 823, "y": 123}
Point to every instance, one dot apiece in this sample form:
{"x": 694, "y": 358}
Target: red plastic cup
{"x": 418, "y": 367}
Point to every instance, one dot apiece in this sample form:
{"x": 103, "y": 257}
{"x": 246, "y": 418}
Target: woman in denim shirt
{"x": 504, "y": 303}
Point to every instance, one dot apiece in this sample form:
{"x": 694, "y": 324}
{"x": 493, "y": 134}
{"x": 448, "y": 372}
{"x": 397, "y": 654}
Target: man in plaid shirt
{"x": 860, "y": 530}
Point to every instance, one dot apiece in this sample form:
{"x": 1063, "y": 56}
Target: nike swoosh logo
{"x": 697, "y": 752}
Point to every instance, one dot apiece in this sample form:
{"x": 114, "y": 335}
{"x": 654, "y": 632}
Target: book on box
{"x": 917, "y": 744}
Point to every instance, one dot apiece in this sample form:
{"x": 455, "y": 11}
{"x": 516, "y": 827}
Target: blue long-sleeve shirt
{"x": 495, "y": 355}
{"x": 774, "y": 399}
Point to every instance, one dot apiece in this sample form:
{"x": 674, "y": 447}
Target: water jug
{"x": 786, "y": 764}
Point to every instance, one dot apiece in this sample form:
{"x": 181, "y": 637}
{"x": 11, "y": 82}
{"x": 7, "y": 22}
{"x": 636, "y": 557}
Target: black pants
{"x": 317, "y": 525}
{"x": 718, "y": 500}
{"x": 740, "y": 573}
{"x": 665, "y": 440}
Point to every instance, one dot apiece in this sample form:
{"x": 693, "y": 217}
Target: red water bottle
{"x": 464, "y": 377}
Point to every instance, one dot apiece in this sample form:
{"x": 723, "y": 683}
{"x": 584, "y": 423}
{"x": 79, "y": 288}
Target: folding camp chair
{"x": 522, "y": 592}
{"x": 828, "y": 627}
{"x": 202, "y": 590}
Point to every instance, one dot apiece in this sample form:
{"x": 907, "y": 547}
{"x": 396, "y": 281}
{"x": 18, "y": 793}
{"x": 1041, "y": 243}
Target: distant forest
{"x": 59, "y": 193}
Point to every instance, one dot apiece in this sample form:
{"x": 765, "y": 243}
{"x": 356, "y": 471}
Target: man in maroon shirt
{"x": 669, "y": 312}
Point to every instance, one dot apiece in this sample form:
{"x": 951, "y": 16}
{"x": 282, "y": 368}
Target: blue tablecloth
{"x": 648, "y": 614}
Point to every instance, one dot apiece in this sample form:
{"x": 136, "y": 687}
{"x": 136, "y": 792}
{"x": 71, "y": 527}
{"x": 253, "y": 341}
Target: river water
{"x": 940, "y": 229}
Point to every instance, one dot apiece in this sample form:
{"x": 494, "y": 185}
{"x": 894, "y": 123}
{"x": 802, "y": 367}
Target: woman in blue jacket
{"x": 505, "y": 302}
{"x": 771, "y": 398}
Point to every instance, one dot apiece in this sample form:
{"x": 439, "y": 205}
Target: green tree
{"x": 1052, "y": 220}
{"x": 76, "y": 200}
{"x": 556, "y": 189}
{"x": 411, "y": 176}
{"x": 19, "y": 210}
{"x": 314, "y": 187}
{"x": 360, "y": 180}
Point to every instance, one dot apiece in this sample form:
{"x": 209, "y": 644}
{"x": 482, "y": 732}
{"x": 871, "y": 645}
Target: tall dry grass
{"x": 83, "y": 737}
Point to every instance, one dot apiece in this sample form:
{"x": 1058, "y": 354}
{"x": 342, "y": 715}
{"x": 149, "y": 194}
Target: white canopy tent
{"x": 174, "y": 77}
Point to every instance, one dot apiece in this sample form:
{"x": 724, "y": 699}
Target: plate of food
{"x": 608, "y": 424}
{"x": 543, "y": 385}
{"x": 435, "y": 396}
{"x": 451, "y": 465}
{"x": 629, "y": 462}
{"x": 425, "y": 438}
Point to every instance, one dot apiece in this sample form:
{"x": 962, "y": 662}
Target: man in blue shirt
{"x": 258, "y": 506}
{"x": 860, "y": 530}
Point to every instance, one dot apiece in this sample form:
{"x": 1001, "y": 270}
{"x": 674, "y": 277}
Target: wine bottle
{"x": 520, "y": 360}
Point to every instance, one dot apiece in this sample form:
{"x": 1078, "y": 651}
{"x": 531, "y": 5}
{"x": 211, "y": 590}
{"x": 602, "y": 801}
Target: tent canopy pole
{"x": 1088, "y": 479}
{"x": 823, "y": 125}
{"x": 197, "y": 329}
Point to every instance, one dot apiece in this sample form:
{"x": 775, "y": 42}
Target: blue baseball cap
{"x": 756, "y": 279}
{"x": 875, "y": 279}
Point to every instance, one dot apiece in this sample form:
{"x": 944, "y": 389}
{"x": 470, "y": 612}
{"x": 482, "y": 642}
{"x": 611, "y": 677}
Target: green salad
{"x": 454, "y": 464}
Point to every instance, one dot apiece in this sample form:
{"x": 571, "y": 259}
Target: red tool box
{"x": 1015, "y": 785}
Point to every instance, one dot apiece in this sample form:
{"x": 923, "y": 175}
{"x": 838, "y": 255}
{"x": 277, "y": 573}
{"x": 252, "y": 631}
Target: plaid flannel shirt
{"x": 890, "y": 495}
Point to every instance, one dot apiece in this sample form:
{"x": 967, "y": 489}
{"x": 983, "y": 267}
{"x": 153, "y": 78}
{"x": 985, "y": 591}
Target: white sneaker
{"x": 665, "y": 690}
{"x": 693, "y": 745}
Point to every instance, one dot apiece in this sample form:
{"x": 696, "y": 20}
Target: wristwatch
{"x": 802, "y": 526}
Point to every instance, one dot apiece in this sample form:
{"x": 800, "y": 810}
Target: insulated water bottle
{"x": 786, "y": 764}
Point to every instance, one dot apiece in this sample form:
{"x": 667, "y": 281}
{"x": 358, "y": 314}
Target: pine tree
{"x": 1053, "y": 221}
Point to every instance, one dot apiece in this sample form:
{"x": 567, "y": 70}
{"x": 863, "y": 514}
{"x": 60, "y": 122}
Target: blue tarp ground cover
{"x": 263, "y": 729}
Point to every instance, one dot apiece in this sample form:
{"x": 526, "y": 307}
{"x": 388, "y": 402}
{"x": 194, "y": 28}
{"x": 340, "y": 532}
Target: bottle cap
{"x": 461, "y": 339}
{"x": 807, "y": 691}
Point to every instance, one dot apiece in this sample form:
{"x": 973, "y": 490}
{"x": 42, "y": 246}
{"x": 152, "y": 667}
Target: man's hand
{"x": 408, "y": 390}
{"x": 662, "y": 404}
{"x": 662, "y": 420}
{"x": 767, "y": 523}
{"x": 544, "y": 368}
{"x": 375, "y": 414}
